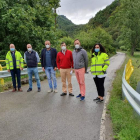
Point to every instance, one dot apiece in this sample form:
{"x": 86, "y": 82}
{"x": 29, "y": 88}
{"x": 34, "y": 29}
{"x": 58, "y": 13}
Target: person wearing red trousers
{"x": 80, "y": 59}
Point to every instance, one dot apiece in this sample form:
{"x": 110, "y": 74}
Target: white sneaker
{"x": 50, "y": 90}
{"x": 55, "y": 90}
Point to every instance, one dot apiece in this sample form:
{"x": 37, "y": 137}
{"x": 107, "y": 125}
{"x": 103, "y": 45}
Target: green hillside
{"x": 119, "y": 22}
{"x": 67, "y": 25}
{"x": 100, "y": 19}
{"x": 103, "y": 16}
{"x": 63, "y": 22}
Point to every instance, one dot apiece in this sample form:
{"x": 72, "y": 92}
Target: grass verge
{"x": 126, "y": 125}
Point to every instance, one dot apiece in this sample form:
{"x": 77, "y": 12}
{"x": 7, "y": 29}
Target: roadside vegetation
{"x": 126, "y": 124}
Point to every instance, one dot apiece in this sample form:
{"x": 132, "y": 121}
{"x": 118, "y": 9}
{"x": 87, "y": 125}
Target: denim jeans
{"x": 51, "y": 76}
{"x": 30, "y": 73}
{"x": 16, "y": 73}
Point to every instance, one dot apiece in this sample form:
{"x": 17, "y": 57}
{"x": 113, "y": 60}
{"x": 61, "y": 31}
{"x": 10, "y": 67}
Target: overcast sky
{"x": 80, "y": 11}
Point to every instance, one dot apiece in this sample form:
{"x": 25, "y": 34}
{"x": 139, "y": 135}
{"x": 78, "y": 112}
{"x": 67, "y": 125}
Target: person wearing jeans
{"x": 48, "y": 62}
{"x": 80, "y": 59}
{"x": 51, "y": 75}
{"x": 65, "y": 65}
{"x": 14, "y": 64}
{"x": 31, "y": 57}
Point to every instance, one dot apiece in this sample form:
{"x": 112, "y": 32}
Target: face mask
{"x": 29, "y": 49}
{"x": 97, "y": 50}
{"x": 77, "y": 46}
{"x": 47, "y": 46}
{"x": 12, "y": 49}
{"x": 63, "y": 47}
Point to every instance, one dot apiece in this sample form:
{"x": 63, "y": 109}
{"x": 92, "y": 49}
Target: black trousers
{"x": 16, "y": 73}
{"x": 99, "y": 82}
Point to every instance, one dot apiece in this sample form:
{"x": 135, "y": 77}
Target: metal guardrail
{"x": 130, "y": 94}
{"x": 5, "y": 73}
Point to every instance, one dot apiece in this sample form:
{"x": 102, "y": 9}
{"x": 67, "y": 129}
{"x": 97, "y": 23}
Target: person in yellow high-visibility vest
{"x": 99, "y": 65}
{"x": 14, "y": 64}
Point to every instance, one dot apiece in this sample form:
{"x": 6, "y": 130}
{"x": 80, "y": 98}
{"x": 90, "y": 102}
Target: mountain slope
{"x": 102, "y": 17}
{"x": 63, "y": 22}
{"x": 68, "y": 26}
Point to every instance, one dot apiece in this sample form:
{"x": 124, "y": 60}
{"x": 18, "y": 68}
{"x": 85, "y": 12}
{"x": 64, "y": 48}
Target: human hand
{"x": 43, "y": 69}
{"x": 8, "y": 70}
{"x": 72, "y": 70}
{"x": 55, "y": 68}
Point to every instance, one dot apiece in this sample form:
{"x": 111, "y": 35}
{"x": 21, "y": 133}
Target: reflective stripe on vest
{"x": 9, "y": 60}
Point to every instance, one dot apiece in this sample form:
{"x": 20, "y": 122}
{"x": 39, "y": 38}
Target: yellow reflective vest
{"x": 9, "y": 60}
{"x": 99, "y": 63}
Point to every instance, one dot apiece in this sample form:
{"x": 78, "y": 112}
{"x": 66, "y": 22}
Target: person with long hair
{"x": 99, "y": 65}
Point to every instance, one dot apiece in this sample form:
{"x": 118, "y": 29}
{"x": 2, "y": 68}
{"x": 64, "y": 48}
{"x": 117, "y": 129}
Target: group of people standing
{"x": 65, "y": 61}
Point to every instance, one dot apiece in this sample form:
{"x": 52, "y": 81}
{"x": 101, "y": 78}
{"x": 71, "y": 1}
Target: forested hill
{"x": 103, "y": 16}
{"x": 100, "y": 19}
{"x": 63, "y": 22}
{"x": 67, "y": 25}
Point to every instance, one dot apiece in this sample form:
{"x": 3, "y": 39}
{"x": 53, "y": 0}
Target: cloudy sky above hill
{"x": 80, "y": 11}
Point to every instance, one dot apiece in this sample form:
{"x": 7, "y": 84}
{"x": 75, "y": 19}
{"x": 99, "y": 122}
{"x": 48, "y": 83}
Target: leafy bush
{"x": 123, "y": 48}
{"x": 125, "y": 123}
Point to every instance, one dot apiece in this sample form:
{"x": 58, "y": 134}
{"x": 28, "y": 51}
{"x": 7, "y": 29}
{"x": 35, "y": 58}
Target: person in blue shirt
{"x": 31, "y": 57}
{"x": 48, "y": 62}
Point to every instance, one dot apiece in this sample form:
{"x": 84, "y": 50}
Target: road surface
{"x": 48, "y": 116}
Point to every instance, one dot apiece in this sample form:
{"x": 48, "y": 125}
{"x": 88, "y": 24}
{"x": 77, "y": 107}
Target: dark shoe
{"x": 96, "y": 99}
{"x": 99, "y": 101}
{"x": 63, "y": 94}
{"x": 82, "y": 98}
{"x": 39, "y": 89}
{"x": 70, "y": 94}
{"x": 29, "y": 90}
{"x": 20, "y": 90}
{"x": 78, "y": 96}
{"x": 14, "y": 90}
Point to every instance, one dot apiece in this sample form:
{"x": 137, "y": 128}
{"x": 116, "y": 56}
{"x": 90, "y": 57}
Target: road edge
{"x": 102, "y": 135}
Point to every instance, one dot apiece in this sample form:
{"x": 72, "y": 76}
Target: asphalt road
{"x": 48, "y": 116}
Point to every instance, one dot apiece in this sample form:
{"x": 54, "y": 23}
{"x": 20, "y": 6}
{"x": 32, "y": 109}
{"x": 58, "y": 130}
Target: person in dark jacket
{"x": 31, "y": 57}
{"x": 48, "y": 62}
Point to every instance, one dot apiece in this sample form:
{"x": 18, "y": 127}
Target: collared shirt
{"x": 64, "y": 52}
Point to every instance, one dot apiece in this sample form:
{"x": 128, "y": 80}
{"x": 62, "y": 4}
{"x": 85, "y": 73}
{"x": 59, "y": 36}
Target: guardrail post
{"x": 1, "y": 80}
{"x": 128, "y": 65}
{"x": 129, "y": 70}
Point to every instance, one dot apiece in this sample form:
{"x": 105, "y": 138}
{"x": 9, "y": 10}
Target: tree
{"x": 93, "y": 36}
{"x": 127, "y": 17}
{"x": 27, "y": 21}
